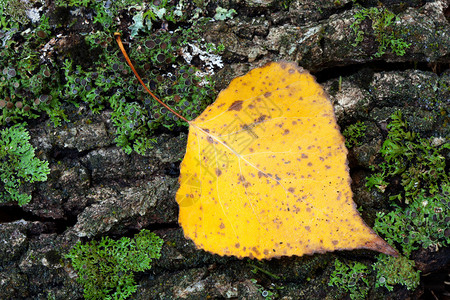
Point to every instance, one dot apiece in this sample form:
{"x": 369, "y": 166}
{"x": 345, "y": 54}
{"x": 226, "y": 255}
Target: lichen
{"x": 18, "y": 164}
{"x": 176, "y": 63}
{"x": 105, "y": 268}
{"x": 395, "y": 270}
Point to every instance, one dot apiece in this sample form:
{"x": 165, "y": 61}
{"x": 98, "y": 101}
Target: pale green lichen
{"x": 222, "y": 14}
{"x": 18, "y": 164}
{"x": 105, "y": 268}
{"x": 396, "y": 270}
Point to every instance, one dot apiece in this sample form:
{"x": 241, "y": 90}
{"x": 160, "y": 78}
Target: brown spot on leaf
{"x": 261, "y": 118}
{"x": 236, "y": 105}
{"x": 261, "y": 174}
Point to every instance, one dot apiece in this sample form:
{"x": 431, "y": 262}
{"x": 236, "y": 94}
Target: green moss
{"x": 383, "y": 30}
{"x": 157, "y": 55}
{"x": 222, "y": 13}
{"x": 350, "y": 278}
{"x": 353, "y": 133}
{"x": 105, "y": 12}
{"x": 421, "y": 200}
{"x": 267, "y": 294}
{"x": 28, "y": 86}
{"x": 33, "y": 83}
{"x": 18, "y": 164}
{"x": 356, "y": 279}
{"x": 419, "y": 164}
{"x": 413, "y": 173}
{"x": 13, "y": 13}
{"x": 396, "y": 270}
{"x": 423, "y": 223}
{"x": 105, "y": 268}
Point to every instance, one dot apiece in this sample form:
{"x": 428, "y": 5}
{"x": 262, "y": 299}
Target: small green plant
{"x": 377, "y": 180}
{"x": 353, "y": 134}
{"x": 382, "y": 24}
{"x": 18, "y": 164}
{"x": 105, "y": 268}
{"x": 396, "y": 270}
{"x": 423, "y": 223}
{"x": 284, "y": 4}
{"x": 421, "y": 220}
{"x": 424, "y": 190}
{"x": 420, "y": 200}
{"x": 267, "y": 294}
{"x": 351, "y": 278}
{"x": 419, "y": 164}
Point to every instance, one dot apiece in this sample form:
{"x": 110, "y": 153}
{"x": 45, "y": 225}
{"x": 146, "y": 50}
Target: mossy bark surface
{"x": 95, "y": 189}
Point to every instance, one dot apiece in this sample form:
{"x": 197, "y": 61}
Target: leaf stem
{"x": 119, "y": 42}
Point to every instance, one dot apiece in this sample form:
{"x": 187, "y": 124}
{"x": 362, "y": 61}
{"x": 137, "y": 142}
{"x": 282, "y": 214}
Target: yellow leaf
{"x": 265, "y": 172}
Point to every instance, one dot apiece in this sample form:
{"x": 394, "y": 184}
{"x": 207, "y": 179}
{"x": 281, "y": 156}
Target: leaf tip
{"x": 380, "y": 245}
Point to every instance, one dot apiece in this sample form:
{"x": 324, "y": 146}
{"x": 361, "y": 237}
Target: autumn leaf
{"x": 265, "y": 172}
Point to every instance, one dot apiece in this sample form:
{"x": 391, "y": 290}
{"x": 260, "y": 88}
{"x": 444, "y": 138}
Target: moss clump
{"x": 350, "y": 278}
{"x": 421, "y": 207}
{"x": 396, "y": 270}
{"x": 353, "y": 133}
{"x": 28, "y": 85}
{"x": 355, "y": 278}
{"x": 160, "y": 57}
{"x": 105, "y": 268}
{"x": 420, "y": 166}
{"x": 18, "y": 164}
{"x": 421, "y": 200}
{"x": 383, "y": 30}
{"x": 423, "y": 223}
